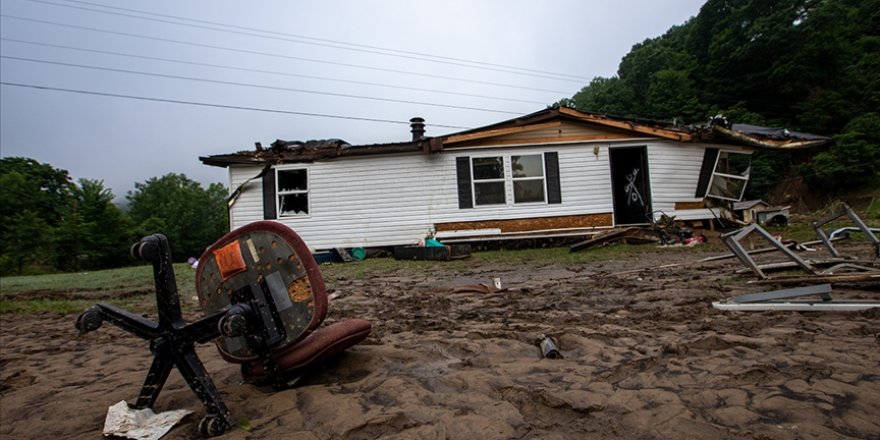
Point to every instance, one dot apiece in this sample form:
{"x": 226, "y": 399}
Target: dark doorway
{"x": 629, "y": 185}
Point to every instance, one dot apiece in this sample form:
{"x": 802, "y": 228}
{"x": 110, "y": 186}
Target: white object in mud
{"x": 140, "y": 424}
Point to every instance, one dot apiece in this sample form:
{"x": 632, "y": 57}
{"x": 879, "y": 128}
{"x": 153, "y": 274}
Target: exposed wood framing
{"x": 544, "y": 140}
{"x": 689, "y": 205}
{"x": 500, "y": 132}
{"x": 532, "y": 224}
{"x": 653, "y": 131}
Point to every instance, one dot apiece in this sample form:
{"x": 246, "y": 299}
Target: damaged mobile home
{"x": 555, "y": 172}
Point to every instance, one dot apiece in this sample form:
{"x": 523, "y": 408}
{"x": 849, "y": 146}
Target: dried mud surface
{"x": 645, "y": 357}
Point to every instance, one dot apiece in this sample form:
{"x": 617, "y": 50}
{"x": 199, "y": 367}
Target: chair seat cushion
{"x": 319, "y": 345}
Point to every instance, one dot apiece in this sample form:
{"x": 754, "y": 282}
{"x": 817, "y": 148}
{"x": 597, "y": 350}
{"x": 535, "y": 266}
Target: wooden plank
{"x": 689, "y": 205}
{"x": 531, "y": 224}
{"x": 499, "y": 132}
{"x": 543, "y": 140}
{"x": 631, "y": 126}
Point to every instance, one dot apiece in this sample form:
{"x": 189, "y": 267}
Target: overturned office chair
{"x": 264, "y": 298}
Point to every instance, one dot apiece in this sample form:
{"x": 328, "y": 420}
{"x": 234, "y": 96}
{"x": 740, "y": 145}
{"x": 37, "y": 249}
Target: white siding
{"x": 396, "y": 200}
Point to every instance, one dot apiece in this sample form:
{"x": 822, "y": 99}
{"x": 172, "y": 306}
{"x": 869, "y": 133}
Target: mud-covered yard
{"x": 645, "y": 356}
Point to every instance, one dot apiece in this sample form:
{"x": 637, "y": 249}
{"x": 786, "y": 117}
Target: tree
{"x": 853, "y": 160}
{"x": 93, "y": 232}
{"x": 192, "y": 217}
{"x": 807, "y": 65}
{"x": 32, "y": 197}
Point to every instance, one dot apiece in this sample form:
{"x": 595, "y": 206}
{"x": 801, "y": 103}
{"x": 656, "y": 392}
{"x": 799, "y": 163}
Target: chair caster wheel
{"x": 213, "y": 425}
{"x": 90, "y": 320}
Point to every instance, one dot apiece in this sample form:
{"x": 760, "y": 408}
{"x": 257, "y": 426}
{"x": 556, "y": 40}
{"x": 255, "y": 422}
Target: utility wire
{"x": 276, "y": 55}
{"x": 271, "y": 72}
{"x": 324, "y": 42}
{"x": 256, "y": 86}
{"x": 206, "y": 104}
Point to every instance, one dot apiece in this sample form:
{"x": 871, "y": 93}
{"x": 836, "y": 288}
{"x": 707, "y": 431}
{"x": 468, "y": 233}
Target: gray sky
{"x": 269, "y": 54}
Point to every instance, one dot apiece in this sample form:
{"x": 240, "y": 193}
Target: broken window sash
{"x": 730, "y": 176}
{"x": 292, "y": 192}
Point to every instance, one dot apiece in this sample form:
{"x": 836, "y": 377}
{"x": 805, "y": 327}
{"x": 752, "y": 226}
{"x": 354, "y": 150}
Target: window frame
{"x": 715, "y": 174}
{"x": 279, "y": 193}
{"x": 514, "y": 179}
{"x": 508, "y": 180}
{"x": 503, "y": 180}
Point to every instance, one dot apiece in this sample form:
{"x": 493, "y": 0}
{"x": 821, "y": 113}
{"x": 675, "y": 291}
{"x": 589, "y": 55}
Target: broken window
{"x": 293, "y": 192}
{"x": 528, "y": 178}
{"x": 488, "y": 178}
{"x": 730, "y": 176}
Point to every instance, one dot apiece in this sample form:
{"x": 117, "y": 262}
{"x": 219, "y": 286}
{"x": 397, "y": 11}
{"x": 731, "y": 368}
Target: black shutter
{"x": 706, "y": 171}
{"x": 463, "y": 171}
{"x": 551, "y": 173}
{"x": 269, "y": 196}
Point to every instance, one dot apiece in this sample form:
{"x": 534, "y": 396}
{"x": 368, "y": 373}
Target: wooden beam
{"x": 631, "y": 126}
{"x": 500, "y": 132}
{"x": 546, "y": 140}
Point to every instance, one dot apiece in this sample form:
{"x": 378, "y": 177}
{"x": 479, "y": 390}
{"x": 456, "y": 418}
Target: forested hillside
{"x": 807, "y": 65}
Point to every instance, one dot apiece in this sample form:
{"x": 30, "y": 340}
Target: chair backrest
{"x": 270, "y": 253}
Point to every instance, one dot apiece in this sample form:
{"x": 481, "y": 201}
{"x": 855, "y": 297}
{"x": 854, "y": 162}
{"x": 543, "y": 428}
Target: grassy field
{"x": 132, "y": 287}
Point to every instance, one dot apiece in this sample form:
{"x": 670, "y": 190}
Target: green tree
{"x": 853, "y": 160}
{"x": 32, "y": 198}
{"x": 192, "y": 217}
{"x": 94, "y": 232}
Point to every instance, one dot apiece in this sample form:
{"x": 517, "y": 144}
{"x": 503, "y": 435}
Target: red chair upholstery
{"x": 274, "y": 256}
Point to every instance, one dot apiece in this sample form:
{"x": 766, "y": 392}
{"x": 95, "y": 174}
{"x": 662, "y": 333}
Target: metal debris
{"x": 779, "y": 300}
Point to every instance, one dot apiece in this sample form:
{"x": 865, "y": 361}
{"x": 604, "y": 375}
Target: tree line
{"x": 48, "y": 222}
{"x": 807, "y": 65}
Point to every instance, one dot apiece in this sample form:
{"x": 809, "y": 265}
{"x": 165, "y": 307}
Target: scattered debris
{"x": 549, "y": 347}
{"x": 731, "y": 239}
{"x": 631, "y": 235}
{"x": 140, "y": 424}
{"x": 481, "y": 288}
{"x": 441, "y": 253}
{"x": 855, "y": 219}
{"x": 778, "y": 300}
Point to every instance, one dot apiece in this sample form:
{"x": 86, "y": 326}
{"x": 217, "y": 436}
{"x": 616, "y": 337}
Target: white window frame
{"x": 513, "y": 180}
{"x": 729, "y": 176}
{"x": 503, "y": 180}
{"x": 508, "y": 180}
{"x": 279, "y": 193}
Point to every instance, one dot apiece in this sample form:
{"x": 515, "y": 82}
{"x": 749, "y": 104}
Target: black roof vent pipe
{"x": 418, "y": 128}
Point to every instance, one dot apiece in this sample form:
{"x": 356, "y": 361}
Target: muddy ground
{"x": 645, "y": 357}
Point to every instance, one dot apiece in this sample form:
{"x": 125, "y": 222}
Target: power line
{"x": 257, "y": 86}
{"x": 206, "y": 104}
{"x": 275, "y": 55}
{"x": 271, "y": 72}
{"x": 324, "y": 42}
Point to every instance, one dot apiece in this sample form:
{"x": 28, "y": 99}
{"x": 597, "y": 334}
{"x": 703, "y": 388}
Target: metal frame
{"x": 731, "y": 239}
{"x": 769, "y": 301}
{"x": 817, "y": 225}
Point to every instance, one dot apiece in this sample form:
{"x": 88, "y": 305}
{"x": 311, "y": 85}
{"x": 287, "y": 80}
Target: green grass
{"x": 131, "y": 288}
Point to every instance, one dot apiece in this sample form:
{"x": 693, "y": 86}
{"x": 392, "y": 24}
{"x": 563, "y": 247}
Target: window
{"x": 730, "y": 176}
{"x": 488, "y": 178}
{"x": 528, "y": 178}
{"x": 292, "y": 192}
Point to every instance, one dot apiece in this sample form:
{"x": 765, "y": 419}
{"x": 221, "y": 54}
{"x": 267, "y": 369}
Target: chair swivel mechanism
{"x": 263, "y": 298}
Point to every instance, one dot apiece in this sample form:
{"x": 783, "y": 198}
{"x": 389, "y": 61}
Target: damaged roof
{"x": 717, "y": 131}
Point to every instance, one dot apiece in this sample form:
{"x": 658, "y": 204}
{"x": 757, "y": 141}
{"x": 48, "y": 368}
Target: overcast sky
{"x": 456, "y": 63}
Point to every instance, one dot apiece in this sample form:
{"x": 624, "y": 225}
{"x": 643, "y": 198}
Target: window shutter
{"x": 269, "y": 195}
{"x": 706, "y": 170}
{"x": 551, "y": 173}
{"x": 463, "y": 171}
